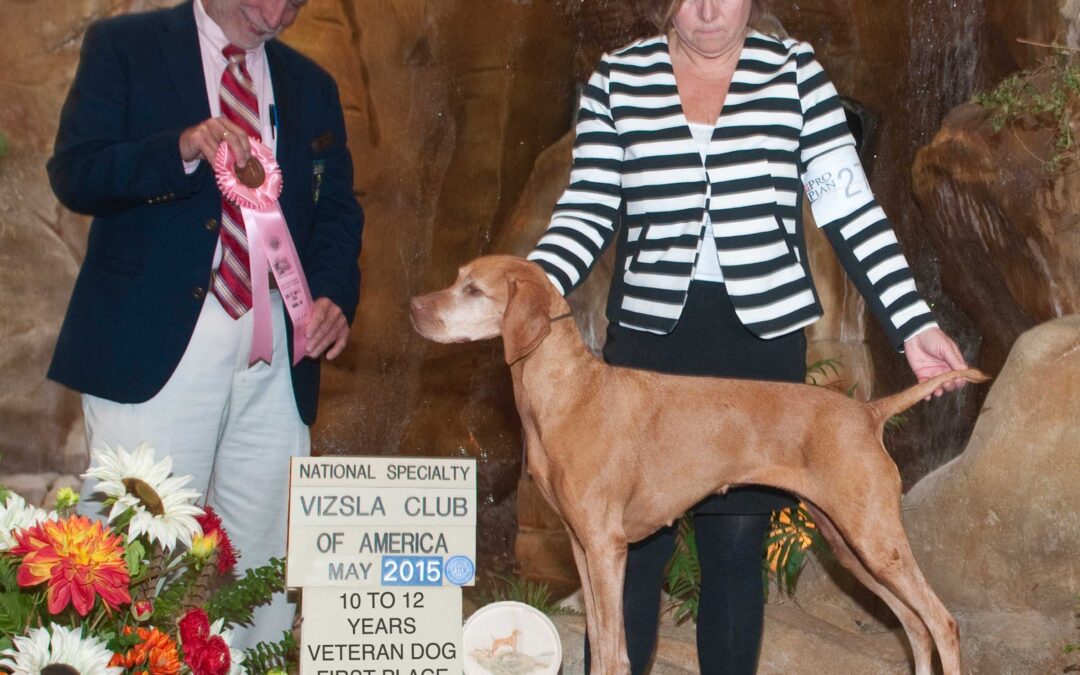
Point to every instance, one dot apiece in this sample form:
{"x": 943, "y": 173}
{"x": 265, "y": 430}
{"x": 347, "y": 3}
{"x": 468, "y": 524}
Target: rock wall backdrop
{"x": 459, "y": 113}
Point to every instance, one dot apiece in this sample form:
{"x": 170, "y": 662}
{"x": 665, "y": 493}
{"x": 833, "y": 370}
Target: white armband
{"x": 836, "y": 184}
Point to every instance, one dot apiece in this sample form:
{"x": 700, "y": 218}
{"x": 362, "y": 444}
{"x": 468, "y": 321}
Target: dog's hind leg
{"x": 922, "y": 644}
{"x": 870, "y": 522}
{"x": 900, "y": 568}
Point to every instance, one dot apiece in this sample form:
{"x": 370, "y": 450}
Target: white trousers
{"x": 230, "y": 426}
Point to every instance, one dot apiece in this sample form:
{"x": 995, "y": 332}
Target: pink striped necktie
{"x": 240, "y": 105}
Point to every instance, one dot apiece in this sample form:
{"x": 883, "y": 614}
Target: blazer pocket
{"x": 635, "y": 246}
{"x": 119, "y": 266}
{"x": 120, "y": 248}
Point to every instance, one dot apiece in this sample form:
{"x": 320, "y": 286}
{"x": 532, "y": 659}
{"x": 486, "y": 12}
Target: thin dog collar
{"x": 561, "y": 316}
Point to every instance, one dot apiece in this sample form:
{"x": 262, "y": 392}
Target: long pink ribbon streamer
{"x": 275, "y": 246}
{"x": 270, "y": 249}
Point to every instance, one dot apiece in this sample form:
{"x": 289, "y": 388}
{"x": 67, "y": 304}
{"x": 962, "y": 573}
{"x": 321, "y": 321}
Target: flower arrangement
{"x": 147, "y": 592}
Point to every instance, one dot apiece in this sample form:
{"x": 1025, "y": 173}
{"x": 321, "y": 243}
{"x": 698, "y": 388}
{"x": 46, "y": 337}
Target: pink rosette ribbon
{"x": 270, "y": 249}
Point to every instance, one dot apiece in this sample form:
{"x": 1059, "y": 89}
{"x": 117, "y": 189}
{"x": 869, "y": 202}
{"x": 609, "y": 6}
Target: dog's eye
{"x": 471, "y": 289}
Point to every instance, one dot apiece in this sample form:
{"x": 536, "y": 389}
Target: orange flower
{"x": 791, "y": 525}
{"x": 78, "y": 558}
{"x": 155, "y": 654}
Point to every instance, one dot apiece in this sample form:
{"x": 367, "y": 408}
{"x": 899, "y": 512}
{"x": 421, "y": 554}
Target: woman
{"x": 703, "y": 143}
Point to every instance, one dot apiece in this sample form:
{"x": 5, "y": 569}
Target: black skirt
{"x": 709, "y": 339}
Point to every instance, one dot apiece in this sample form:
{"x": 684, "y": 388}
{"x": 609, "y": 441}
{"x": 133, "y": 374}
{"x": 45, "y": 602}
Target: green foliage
{"x": 821, "y": 368}
{"x": 271, "y": 655}
{"x": 118, "y": 642}
{"x": 16, "y": 611}
{"x": 134, "y": 557}
{"x": 9, "y": 568}
{"x": 895, "y": 422}
{"x": 16, "y": 607}
{"x": 683, "y": 582}
{"x": 236, "y": 601}
{"x": 3, "y": 144}
{"x": 532, "y": 593}
{"x": 1075, "y": 646}
{"x": 168, "y": 603}
{"x": 1041, "y": 93}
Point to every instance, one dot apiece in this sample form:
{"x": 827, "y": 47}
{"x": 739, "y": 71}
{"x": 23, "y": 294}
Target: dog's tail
{"x": 884, "y": 408}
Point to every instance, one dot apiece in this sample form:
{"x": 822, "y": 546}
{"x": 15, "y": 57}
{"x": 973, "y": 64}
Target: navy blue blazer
{"x": 151, "y": 244}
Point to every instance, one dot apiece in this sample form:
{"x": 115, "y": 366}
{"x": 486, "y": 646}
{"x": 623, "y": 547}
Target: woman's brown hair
{"x": 663, "y": 12}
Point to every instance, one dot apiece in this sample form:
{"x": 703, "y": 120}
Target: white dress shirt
{"x": 212, "y": 41}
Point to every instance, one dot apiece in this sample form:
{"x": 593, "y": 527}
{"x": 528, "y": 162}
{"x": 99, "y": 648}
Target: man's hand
{"x": 201, "y": 141}
{"x": 931, "y": 353}
{"x": 326, "y": 328}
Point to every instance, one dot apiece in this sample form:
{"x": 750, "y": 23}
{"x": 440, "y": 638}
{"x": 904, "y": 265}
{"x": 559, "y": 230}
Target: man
{"x": 159, "y": 328}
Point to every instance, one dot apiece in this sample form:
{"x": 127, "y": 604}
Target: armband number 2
{"x": 849, "y": 192}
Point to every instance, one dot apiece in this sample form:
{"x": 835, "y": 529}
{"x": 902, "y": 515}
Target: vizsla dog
{"x": 509, "y": 641}
{"x": 620, "y": 453}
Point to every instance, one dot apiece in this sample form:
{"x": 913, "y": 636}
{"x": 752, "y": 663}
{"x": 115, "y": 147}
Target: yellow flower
{"x": 66, "y": 498}
{"x": 204, "y": 545}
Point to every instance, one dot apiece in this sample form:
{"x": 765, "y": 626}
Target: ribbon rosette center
{"x": 237, "y": 191}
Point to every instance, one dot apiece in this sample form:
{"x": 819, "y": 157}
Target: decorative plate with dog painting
{"x": 510, "y": 638}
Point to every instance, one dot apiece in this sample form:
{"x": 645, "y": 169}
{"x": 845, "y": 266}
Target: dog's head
{"x": 493, "y": 295}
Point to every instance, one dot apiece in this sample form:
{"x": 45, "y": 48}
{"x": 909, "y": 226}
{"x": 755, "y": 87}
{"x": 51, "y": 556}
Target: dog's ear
{"x": 525, "y": 322}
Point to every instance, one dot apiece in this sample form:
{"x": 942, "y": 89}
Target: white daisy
{"x": 16, "y": 514}
{"x": 236, "y": 656}
{"x": 163, "y": 509}
{"x": 39, "y": 649}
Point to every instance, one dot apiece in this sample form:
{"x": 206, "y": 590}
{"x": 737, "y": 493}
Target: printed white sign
{"x": 370, "y": 631}
{"x": 381, "y": 521}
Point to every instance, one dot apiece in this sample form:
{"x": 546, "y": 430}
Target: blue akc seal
{"x": 459, "y": 570}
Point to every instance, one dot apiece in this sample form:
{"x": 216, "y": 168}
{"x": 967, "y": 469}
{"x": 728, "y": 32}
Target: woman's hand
{"x": 931, "y": 353}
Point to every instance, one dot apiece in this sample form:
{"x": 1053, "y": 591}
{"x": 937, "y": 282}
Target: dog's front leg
{"x": 606, "y": 563}
{"x": 586, "y": 587}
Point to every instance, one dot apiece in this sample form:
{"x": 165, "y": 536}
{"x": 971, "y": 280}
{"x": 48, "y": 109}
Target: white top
{"x": 707, "y": 267}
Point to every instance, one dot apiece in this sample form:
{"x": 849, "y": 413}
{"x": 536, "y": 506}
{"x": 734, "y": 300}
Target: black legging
{"x": 732, "y": 605}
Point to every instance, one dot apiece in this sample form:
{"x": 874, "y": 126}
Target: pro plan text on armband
{"x": 850, "y": 181}
{"x": 836, "y": 184}
{"x": 821, "y": 185}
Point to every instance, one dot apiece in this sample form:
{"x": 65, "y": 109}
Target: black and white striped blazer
{"x": 782, "y": 136}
